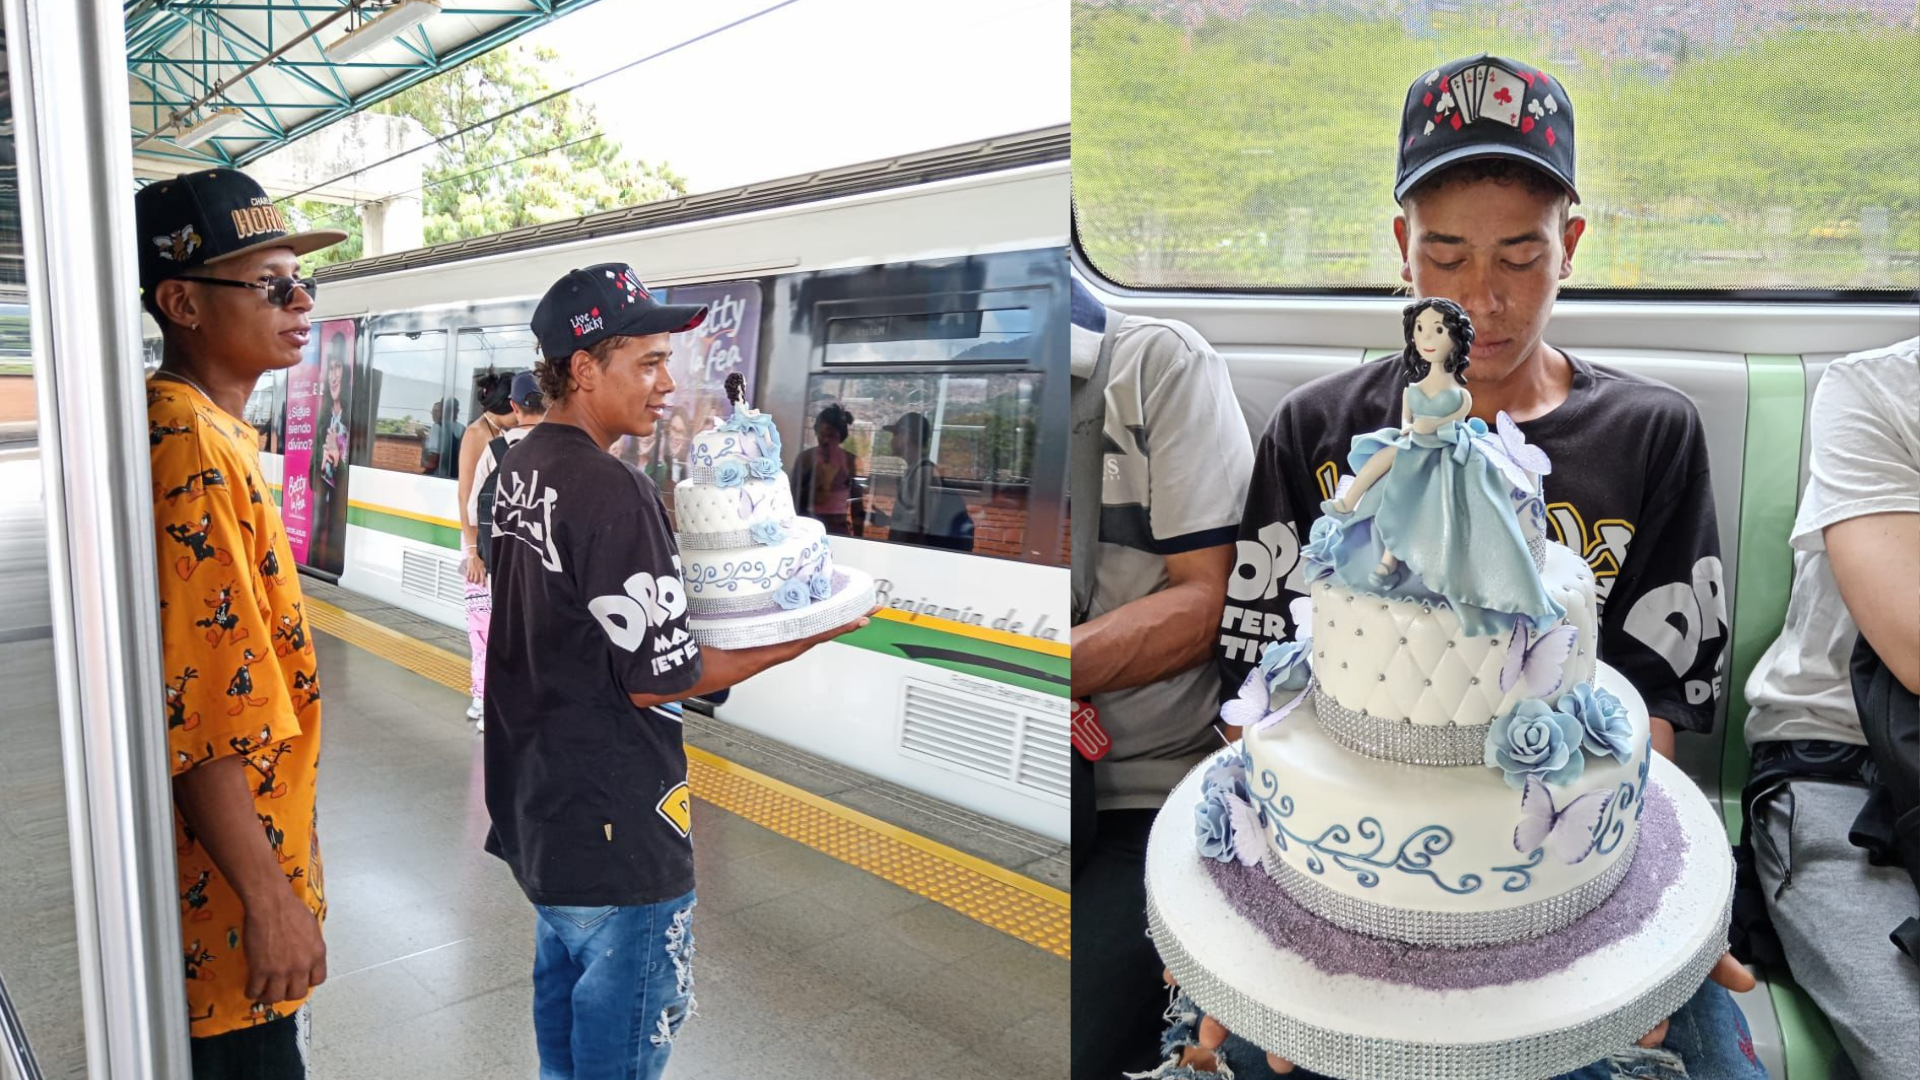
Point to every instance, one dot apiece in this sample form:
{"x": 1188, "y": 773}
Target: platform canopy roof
{"x": 269, "y": 60}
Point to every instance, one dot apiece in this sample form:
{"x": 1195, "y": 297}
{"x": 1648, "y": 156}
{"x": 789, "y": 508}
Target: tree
{"x": 546, "y": 163}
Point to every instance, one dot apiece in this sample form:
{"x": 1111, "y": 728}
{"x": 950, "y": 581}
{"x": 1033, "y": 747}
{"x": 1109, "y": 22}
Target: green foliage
{"x": 1260, "y": 151}
{"x": 496, "y": 177}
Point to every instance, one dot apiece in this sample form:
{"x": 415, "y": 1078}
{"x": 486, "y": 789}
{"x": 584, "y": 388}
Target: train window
{"x": 497, "y": 349}
{"x": 1250, "y": 146}
{"x": 416, "y": 426}
{"x": 259, "y": 410}
{"x": 936, "y": 460}
{"x": 1003, "y": 335}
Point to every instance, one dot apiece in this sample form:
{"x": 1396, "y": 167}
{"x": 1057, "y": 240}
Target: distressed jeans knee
{"x": 679, "y": 951}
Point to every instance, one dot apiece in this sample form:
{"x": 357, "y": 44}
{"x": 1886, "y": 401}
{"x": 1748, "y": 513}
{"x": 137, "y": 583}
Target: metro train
{"x": 933, "y": 284}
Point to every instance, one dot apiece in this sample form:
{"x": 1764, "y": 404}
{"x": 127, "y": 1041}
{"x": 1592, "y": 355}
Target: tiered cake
{"x": 1438, "y": 759}
{"x": 755, "y": 574}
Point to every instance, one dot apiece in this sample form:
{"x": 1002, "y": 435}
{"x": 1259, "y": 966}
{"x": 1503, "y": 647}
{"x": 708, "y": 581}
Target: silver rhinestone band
{"x": 1337, "y": 1053}
{"x": 1401, "y": 740}
{"x": 738, "y": 538}
{"x": 1537, "y": 546}
{"x": 845, "y": 605}
{"x": 1448, "y": 929}
{"x": 704, "y": 475}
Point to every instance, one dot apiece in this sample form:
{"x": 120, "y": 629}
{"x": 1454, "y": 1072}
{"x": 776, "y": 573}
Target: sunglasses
{"x": 279, "y": 290}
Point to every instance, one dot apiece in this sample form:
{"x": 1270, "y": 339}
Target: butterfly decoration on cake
{"x": 1519, "y": 461}
{"x": 1284, "y": 666}
{"x": 1568, "y": 834}
{"x": 1540, "y": 665}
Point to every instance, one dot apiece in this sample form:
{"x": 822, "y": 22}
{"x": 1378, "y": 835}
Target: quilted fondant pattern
{"x": 700, "y": 508}
{"x": 1401, "y": 661}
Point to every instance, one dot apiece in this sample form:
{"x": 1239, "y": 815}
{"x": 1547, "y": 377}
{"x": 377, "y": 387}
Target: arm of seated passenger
{"x": 722, "y": 668}
{"x": 1876, "y": 561}
{"x": 1162, "y": 634}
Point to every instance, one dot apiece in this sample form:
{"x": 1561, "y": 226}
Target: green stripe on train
{"x": 921, "y": 644}
{"x": 970, "y": 656}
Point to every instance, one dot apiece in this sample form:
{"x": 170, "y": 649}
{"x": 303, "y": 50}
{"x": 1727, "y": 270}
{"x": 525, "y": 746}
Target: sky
{"x": 815, "y": 84}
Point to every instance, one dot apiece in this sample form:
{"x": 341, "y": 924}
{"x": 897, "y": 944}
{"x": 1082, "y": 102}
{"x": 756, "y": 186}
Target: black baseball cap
{"x": 588, "y": 306}
{"x": 526, "y": 386}
{"x": 913, "y": 422}
{"x": 198, "y": 219}
{"x": 1485, "y": 107}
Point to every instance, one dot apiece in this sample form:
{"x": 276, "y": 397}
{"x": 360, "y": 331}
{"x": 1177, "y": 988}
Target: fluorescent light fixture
{"x": 382, "y": 28}
{"x": 217, "y": 121}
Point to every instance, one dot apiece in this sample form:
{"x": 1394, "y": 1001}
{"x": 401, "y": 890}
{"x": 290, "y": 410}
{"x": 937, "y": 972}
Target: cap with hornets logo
{"x": 198, "y": 219}
{"x": 1485, "y": 107}
{"x": 588, "y": 306}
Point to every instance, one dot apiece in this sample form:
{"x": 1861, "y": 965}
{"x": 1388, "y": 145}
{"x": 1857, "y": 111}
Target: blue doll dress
{"x": 1446, "y": 512}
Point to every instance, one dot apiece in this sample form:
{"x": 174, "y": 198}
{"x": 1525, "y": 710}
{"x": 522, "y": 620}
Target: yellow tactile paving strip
{"x": 1011, "y": 903}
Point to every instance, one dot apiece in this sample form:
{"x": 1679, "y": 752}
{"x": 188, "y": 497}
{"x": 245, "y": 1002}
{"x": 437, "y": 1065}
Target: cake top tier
{"x": 744, "y": 438}
{"x": 1441, "y": 505}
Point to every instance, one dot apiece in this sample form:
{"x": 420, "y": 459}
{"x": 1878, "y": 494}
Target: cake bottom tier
{"x": 851, "y": 598}
{"x": 1428, "y": 854}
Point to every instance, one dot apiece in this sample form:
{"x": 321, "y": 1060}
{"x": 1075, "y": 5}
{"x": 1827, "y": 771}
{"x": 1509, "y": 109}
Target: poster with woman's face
{"x": 319, "y": 392}
{"x": 725, "y": 343}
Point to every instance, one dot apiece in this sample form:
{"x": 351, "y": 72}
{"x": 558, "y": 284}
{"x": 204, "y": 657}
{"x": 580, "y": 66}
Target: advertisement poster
{"x": 313, "y": 499}
{"x": 727, "y": 342}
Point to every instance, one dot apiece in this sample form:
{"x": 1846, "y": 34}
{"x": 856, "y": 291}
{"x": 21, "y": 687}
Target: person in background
{"x": 826, "y": 476}
{"x": 1832, "y": 884}
{"x": 529, "y": 407}
{"x": 439, "y": 443}
{"x": 496, "y": 419}
{"x": 220, "y": 273}
{"x": 925, "y": 510}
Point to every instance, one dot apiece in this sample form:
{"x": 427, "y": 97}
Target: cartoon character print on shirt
{"x": 157, "y": 432}
{"x": 196, "y": 898}
{"x": 196, "y": 486}
{"x": 263, "y": 761}
{"x": 176, "y": 698}
{"x": 270, "y": 564}
{"x": 222, "y": 622}
{"x": 309, "y": 683}
{"x": 198, "y": 958}
{"x": 291, "y": 635}
{"x": 199, "y": 548}
{"x": 240, "y": 689}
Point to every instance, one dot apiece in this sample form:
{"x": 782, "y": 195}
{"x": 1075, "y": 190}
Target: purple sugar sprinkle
{"x": 1337, "y": 951}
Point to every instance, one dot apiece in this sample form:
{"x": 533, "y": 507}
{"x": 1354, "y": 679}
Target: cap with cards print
{"x": 1485, "y": 107}
{"x": 196, "y": 219}
{"x": 588, "y": 306}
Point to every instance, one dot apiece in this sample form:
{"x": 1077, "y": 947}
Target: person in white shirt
{"x": 1856, "y": 543}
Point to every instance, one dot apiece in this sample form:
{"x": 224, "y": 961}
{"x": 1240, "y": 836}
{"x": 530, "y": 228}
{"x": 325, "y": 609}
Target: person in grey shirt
{"x": 1176, "y": 456}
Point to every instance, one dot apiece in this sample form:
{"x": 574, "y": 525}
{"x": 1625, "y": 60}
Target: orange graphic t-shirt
{"x": 240, "y": 678}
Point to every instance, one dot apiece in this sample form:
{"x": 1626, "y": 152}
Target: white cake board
{"x": 854, "y": 599}
{"x": 1353, "y": 1027}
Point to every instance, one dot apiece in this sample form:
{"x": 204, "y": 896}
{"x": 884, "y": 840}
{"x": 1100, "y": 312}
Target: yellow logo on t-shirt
{"x": 677, "y": 807}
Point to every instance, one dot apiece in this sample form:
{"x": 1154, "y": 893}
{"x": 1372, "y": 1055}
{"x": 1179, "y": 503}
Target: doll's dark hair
{"x": 1459, "y": 327}
{"x": 837, "y": 418}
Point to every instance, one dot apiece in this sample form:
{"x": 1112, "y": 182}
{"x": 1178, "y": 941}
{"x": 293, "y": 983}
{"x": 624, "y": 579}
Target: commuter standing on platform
{"x": 589, "y": 652}
{"x": 495, "y": 422}
{"x": 220, "y": 273}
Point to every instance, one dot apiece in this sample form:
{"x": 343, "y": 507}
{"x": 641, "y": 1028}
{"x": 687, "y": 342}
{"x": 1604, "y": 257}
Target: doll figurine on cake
{"x": 1432, "y": 506}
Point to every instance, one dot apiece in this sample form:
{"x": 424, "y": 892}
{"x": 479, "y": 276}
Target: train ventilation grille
{"x": 433, "y": 577}
{"x": 1006, "y": 741}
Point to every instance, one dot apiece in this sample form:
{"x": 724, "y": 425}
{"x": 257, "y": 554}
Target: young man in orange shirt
{"x": 219, "y": 271}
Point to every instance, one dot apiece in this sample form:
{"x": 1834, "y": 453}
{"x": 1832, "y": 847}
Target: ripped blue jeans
{"x": 611, "y": 987}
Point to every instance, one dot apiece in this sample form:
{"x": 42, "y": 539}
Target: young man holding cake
{"x": 1486, "y": 222}
{"x": 590, "y": 651}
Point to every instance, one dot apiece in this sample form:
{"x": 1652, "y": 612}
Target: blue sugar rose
{"x": 1536, "y": 739}
{"x": 1286, "y": 665}
{"x": 1322, "y": 543}
{"x": 792, "y": 595}
{"x": 730, "y": 473}
{"x": 1228, "y": 773}
{"x": 767, "y": 532}
{"x": 820, "y": 585}
{"x": 1213, "y": 826}
{"x": 764, "y": 468}
{"x": 1603, "y": 718}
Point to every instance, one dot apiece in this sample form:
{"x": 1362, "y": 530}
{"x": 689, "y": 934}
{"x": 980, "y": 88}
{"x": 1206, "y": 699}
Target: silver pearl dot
{"x": 1428, "y": 682}
{"x": 1449, "y": 644}
{"x": 1359, "y": 633}
{"x": 1403, "y": 641}
{"x": 1381, "y": 678}
{"x": 1343, "y": 664}
{"x": 1475, "y": 680}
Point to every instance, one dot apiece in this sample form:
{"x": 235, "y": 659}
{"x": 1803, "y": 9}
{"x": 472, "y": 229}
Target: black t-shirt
{"x": 588, "y": 793}
{"x": 1629, "y": 475}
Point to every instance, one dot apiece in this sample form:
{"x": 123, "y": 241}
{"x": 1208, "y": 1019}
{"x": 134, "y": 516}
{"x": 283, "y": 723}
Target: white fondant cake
{"x": 755, "y": 574}
{"x": 1401, "y": 661}
{"x": 1427, "y": 854}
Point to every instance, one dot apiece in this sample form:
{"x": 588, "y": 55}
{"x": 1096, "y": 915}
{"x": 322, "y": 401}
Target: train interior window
{"x": 933, "y": 459}
{"x": 1002, "y": 335}
{"x": 499, "y": 349}
{"x": 260, "y": 413}
{"x": 416, "y": 425}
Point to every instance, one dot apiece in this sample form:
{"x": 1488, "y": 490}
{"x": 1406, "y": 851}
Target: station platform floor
{"x": 807, "y": 964}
